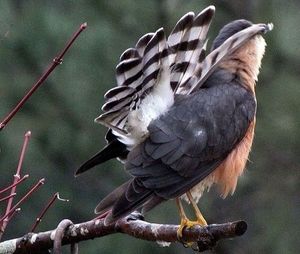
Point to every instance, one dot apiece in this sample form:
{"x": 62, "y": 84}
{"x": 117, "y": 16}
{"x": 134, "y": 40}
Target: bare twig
{"x": 4, "y": 222}
{"x": 13, "y": 209}
{"x": 46, "y": 208}
{"x": 14, "y": 184}
{"x": 7, "y": 197}
{"x": 62, "y": 199}
{"x": 35, "y": 243}
{"x": 56, "y": 61}
{"x": 13, "y": 213}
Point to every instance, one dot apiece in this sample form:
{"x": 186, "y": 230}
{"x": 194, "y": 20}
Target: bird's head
{"x": 229, "y": 30}
{"x": 250, "y": 54}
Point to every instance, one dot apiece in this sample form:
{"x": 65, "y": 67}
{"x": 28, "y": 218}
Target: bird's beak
{"x": 260, "y": 28}
{"x": 268, "y": 27}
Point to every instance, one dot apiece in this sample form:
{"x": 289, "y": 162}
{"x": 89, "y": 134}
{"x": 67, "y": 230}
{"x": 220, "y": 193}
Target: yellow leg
{"x": 200, "y": 219}
{"x": 184, "y": 221}
{"x": 183, "y": 218}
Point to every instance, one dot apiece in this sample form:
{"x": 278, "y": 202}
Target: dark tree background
{"x": 60, "y": 116}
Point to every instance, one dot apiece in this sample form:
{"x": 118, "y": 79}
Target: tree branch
{"x": 206, "y": 237}
{"x": 45, "y": 209}
{"x": 56, "y": 61}
{"x": 9, "y": 211}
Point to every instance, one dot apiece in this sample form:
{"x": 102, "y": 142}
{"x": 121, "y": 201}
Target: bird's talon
{"x": 185, "y": 223}
{"x": 179, "y": 231}
{"x": 187, "y": 244}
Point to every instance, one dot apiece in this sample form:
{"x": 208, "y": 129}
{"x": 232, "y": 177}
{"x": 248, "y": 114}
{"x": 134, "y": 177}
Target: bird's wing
{"x": 186, "y": 145}
{"x": 139, "y": 68}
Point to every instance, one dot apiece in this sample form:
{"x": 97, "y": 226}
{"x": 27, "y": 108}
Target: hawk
{"x": 181, "y": 119}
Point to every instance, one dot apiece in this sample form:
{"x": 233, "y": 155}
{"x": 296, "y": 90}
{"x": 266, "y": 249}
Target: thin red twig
{"x": 56, "y": 61}
{"x": 13, "y": 214}
{"x": 14, "y": 184}
{"x": 46, "y": 208}
{"x": 4, "y": 222}
{"x": 7, "y": 197}
{"x": 37, "y": 185}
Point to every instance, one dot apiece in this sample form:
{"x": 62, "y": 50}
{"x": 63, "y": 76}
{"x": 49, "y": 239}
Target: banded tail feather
{"x": 191, "y": 46}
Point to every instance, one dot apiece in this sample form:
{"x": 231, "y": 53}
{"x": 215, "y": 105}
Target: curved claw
{"x": 186, "y": 223}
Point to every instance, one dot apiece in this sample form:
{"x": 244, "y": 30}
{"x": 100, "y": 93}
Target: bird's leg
{"x": 200, "y": 219}
{"x": 183, "y": 219}
{"x": 185, "y": 222}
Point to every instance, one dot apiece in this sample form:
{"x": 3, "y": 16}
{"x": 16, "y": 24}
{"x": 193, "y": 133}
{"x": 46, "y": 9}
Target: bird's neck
{"x": 246, "y": 61}
{"x": 244, "y": 74}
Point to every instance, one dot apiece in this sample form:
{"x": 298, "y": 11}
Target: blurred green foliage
{"x": 60, "y": 116}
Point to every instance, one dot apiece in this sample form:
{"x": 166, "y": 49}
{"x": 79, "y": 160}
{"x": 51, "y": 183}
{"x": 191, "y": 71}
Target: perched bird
{"x": 179, "y": 119}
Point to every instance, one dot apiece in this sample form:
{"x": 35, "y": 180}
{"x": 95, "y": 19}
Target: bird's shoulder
{"x": 217, "y": 99}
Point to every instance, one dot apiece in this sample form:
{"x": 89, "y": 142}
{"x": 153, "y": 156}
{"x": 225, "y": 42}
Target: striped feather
{"x": 153, "y": 55}
{"x": 142, "y": 43}
{"x": 190, "y": 44}
{"x": 175, "y": 39}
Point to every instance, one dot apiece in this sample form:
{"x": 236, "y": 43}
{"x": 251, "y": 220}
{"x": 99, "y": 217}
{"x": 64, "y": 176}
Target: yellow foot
{"x": 186, "y": 223}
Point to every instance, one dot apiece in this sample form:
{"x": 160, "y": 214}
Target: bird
{"x": 181, "y": 118}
